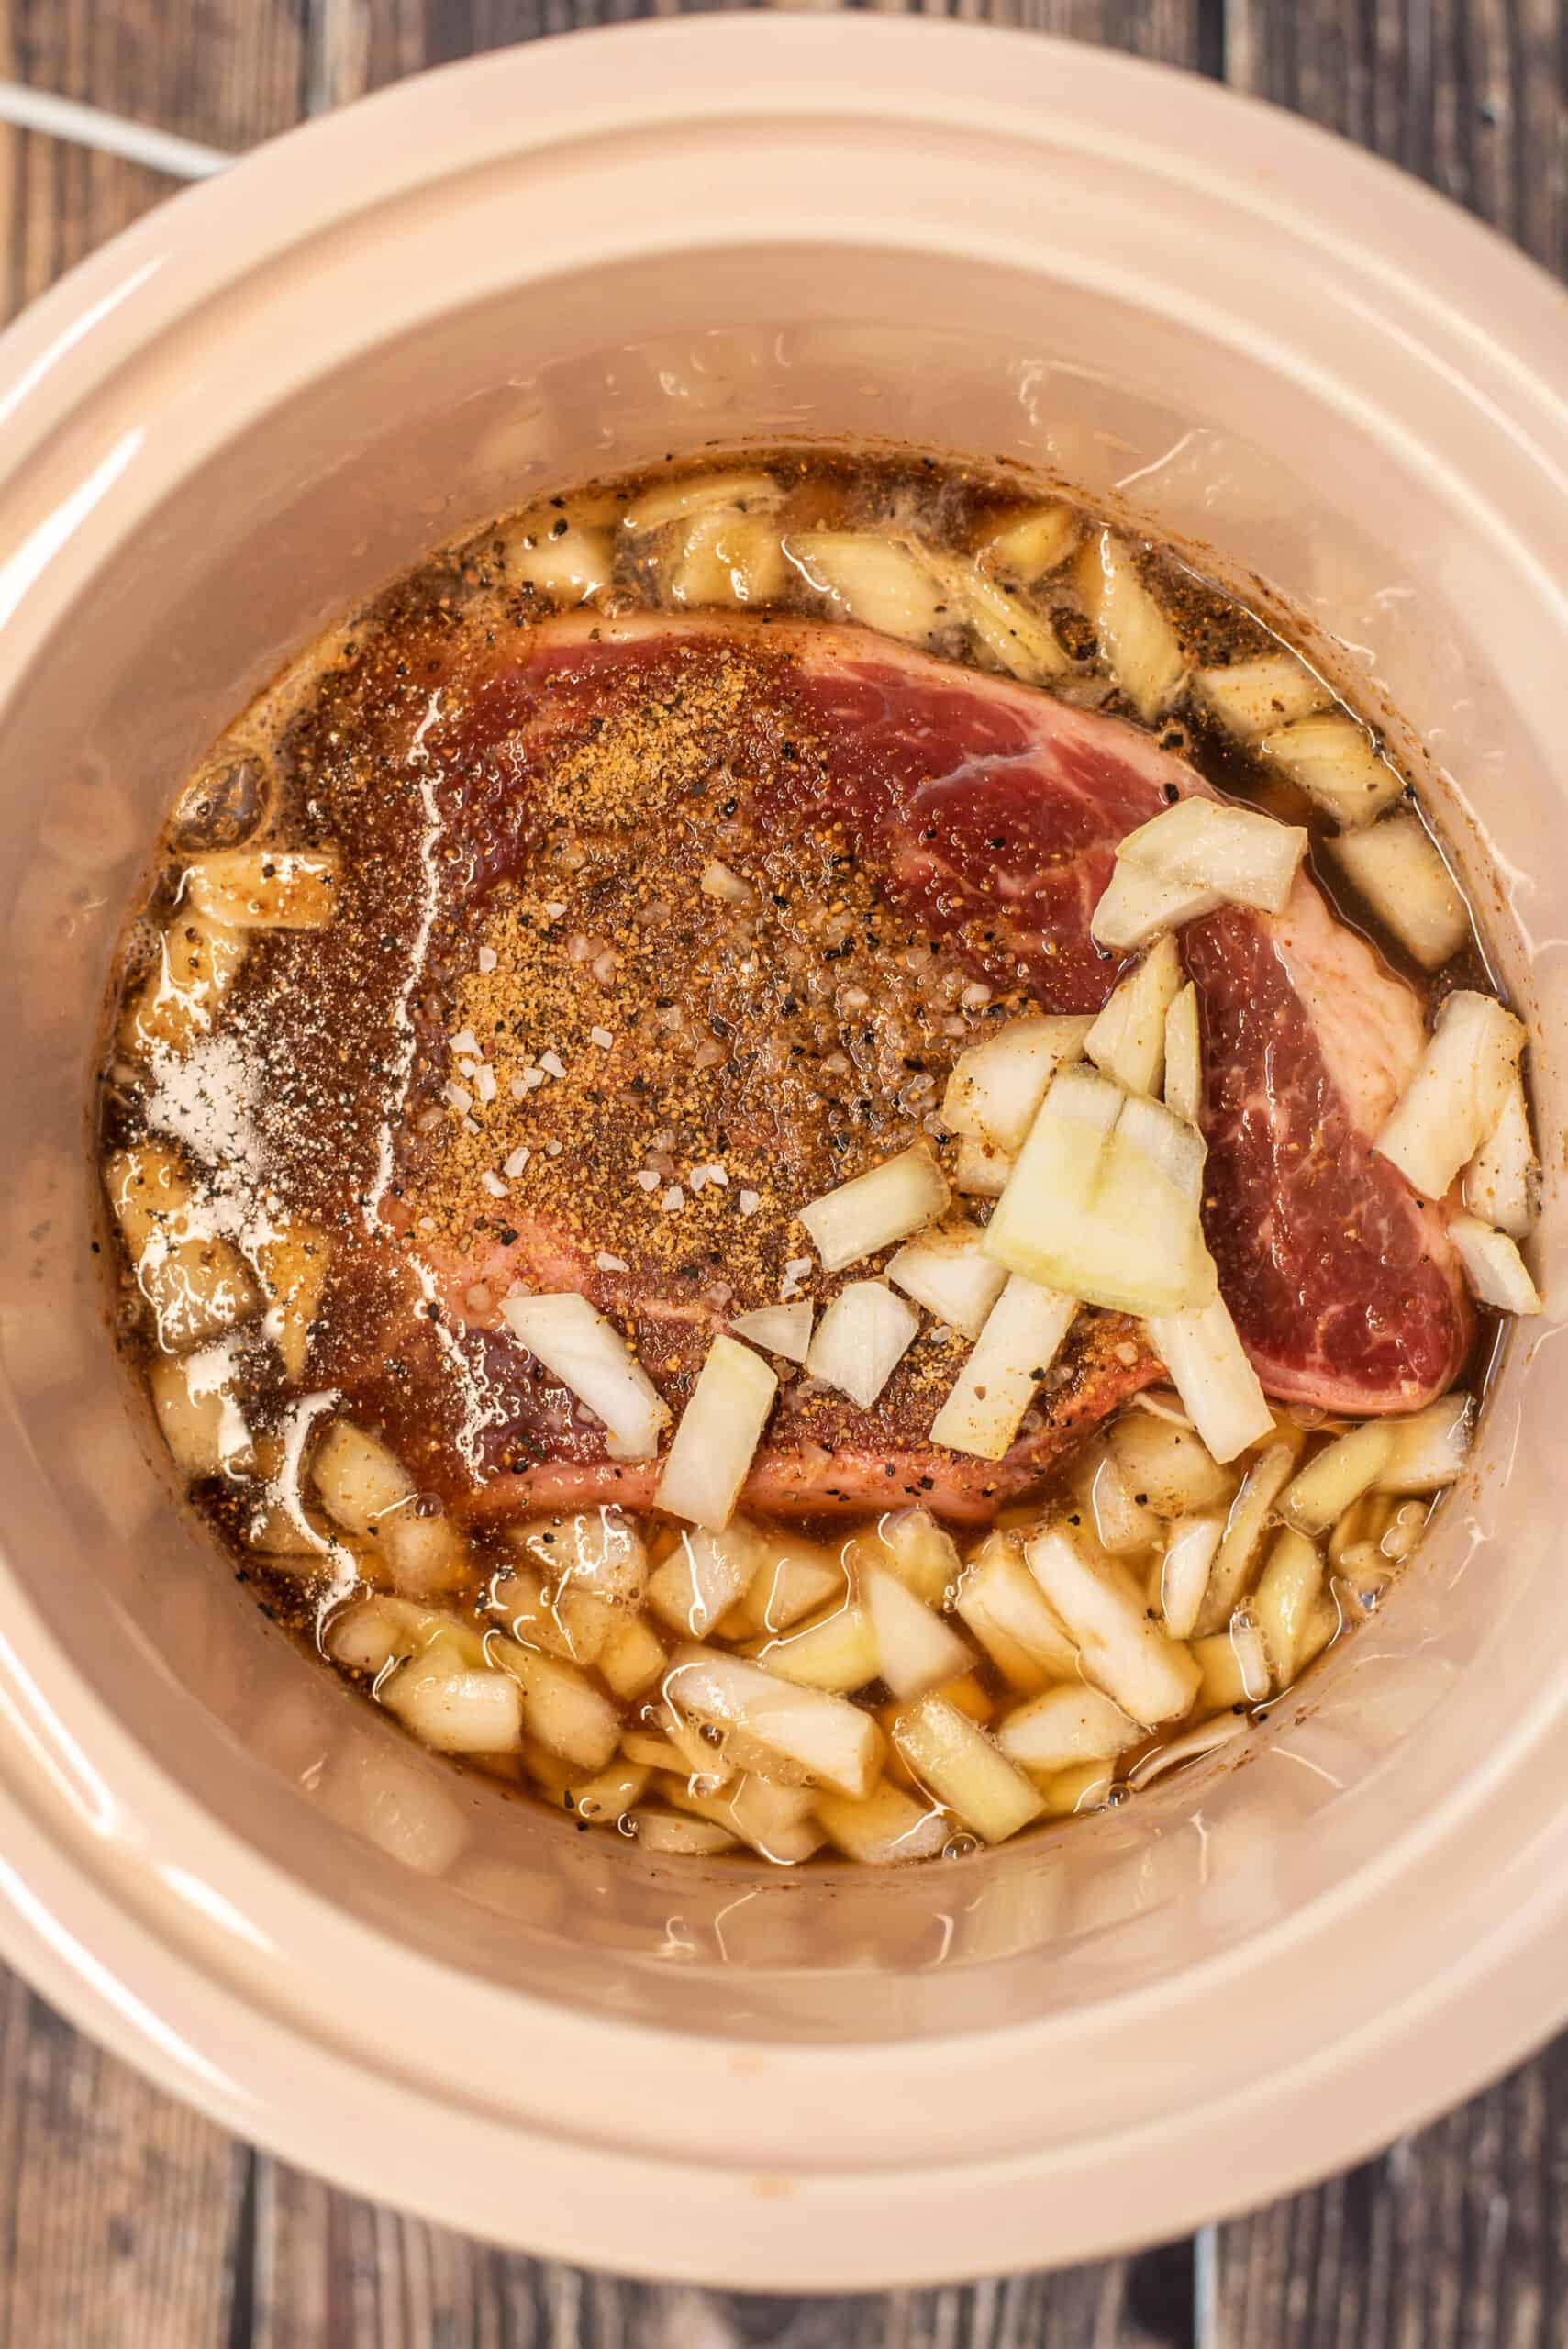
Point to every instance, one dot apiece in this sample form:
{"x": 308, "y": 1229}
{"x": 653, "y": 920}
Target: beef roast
{"x": 793, "y": 869}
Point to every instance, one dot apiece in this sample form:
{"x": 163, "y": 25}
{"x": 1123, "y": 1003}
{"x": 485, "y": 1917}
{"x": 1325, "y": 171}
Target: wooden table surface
{"x": 129, "y": 2223}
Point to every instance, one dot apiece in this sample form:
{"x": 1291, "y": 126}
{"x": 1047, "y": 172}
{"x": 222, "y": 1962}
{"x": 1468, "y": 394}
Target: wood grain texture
{"x": 1468, "y": 94}
{"x": 129, "y": 2224}
{"x": 117, "y": 2202}
{"x": 335, "y": 2269}
{"x": 228, "y": 71}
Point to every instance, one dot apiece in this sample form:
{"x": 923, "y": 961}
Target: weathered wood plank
{"x": 117, "y": 2202}
{"x": 338, "y": 2270}
{"x": 1457, "y": 2240}
{"x": 228, "y": 71}
{"x": 1470, "y": 93}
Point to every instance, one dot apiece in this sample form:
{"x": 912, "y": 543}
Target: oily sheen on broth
{"x": 811, "y": 1156}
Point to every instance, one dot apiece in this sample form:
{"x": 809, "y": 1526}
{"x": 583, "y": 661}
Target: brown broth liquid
{"x": 314, "y": 1093}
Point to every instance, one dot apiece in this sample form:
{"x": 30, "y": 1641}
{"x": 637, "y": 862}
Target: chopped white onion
{"x": 194, "y": 1282}
{"x": 795, "y": 1577}
{"x": 1234, "y": 1665}
{"x": 704, "y": 1575}
{"x": 262, "y": 889}
{"x": 955, "y": 1761}
{"x": 861, "y": 1339}
{"x": 1184, "y": 1057}
{"x": 197, "y": 1400}
{"x": 997, "y": 1085}
{"x": 1103, "y": 1202}
{"x": 1032, "y": 543}
{"x": 774, "y": 1820}
{"x": 1167, "y": 1464}
{"x": 981, "y": 1171}
{"x": 810, "y": 1732}
{"x": 999, "y": 1601}
{"x": 677, "y": 501}
{"x": 1457, "y": 1095}
{"x": 889, "y": 1826}
{"x": 1065, "y": 1727}
{"x": 1430, "y": 1447}
{"x": 916, "y": 1650}
{"x": 1249, "y": 1514}
{"x": 779, "y": 1329}
{"x": 949, "y": 1273}
{"x": 1138, "y": 906}
{"x": 1253, "y": 697}
{"x": 1500, "y": 1180}
{"x": 597, "y": 1549}
{"x": 1019, "y": 640}
{"x": 561, "y": 1708}
{"x": 1137, "y": 641}
{"x": 1336, "y": 1477}
{"x": 1335, "y": 762}
{"x": 578, "y": 565}
{"x": 921, "y": 1552}
{"x": 632, "y": 1657}
{"x": 874, "y": 580}
{"x": 1185, "y": 1571}
{"x": 1285, "y": 1595}
{"x": 591, "y": 1358}
{"x": 884, "y": 1205}
{"x": 836, "y": 1650}
{"x": 457, "y": 1712}
{"x": 1398, "y": 869}
{"x": 670, "y": 1835}
{"x": 1245, "y": 857}
{"x": 1122, "y": 1651}
{"x": 718, "y": 1435}
{"x": 1002, "y": 1375}
{"x": 1128, "y": 1040}
{"x": 1210, "y": 1372}
{"x": 1493, "y": 1266}
{"x": 725, "y": 557}
{"x": 1122, "y": 1522}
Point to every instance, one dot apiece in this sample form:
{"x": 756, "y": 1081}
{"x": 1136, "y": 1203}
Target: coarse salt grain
{"x": 471, "y": 1125}
{"x": 518, "y": 1160}
{"x": 552, "y": 1063}
{"x": 646, "y": 1177}
{"x": 488, "y": 958}
{"x": 532, "y": 1079}
{"x": 552, "y": 1149}
{"x": 465, "y": 1041}
{"x": 601, "y": 1037}
{"x": 940, "y": 1332}
{"x": 672, "y": 1199}
{"x": 493, "y": 1184}
{"x": 696, "y": 1179}
{"x": 554, "y": 907}
{"x": 719, "y": 1174}
{"x": 469, "y": 1068}
{"x": 795, "y": 1271}
{"x": 976, "y": 996}
{"x": 519, "y": 1090}
{"x": 458, "y": 1096}
{"x": 748, "y": 1202}
{"x": 484, "y": 1083}
{"x": 608, "y": 1263}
